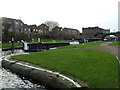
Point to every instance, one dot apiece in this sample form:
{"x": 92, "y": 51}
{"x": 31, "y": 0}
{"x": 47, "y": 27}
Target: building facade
{"x": 72, "y": 31}
{"x": 43, "y": 28}
{"x": 94, "y": 32}
{"x": 14, "y": 25}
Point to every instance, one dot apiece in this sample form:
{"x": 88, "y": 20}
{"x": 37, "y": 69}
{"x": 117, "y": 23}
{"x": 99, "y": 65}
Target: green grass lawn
{"x": 97, "y": 68}
{"x": 82, "y": 45}
{"x": 115, "y": 44}
{"x": 8, "y": 45}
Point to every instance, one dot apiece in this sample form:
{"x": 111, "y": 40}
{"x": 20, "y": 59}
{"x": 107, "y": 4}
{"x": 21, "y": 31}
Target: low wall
{"x": 41, "y": 77}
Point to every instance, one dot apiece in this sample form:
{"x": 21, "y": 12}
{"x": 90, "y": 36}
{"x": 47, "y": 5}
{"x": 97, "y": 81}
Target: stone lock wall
{"x": 41, "y": 77}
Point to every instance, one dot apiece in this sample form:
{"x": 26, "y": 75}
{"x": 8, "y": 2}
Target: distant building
{"x": 71, "y": 31}
{"x": 43, "y": 28}
{"x": 33, "y": 28}
{"x": 94, "y": 32}
{"x": 15, "y": 25}
{"x": 26, "y": 29}
{"x": 57, "y": 30}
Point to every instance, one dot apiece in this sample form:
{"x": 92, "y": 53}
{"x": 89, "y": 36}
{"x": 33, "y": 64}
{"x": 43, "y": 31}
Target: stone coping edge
{"x": 42, "y": 76}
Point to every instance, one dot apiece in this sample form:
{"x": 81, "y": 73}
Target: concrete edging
{"x": 48, "y": 78}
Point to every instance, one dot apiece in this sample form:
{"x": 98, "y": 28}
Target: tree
{"x": 6, "y": 36}
{"x": 51, "y": 24}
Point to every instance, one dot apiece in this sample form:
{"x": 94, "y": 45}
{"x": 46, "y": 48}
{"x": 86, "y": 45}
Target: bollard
{"x": 12, "y": 45}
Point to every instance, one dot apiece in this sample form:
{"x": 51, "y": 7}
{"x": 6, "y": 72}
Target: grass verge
{"x": 97, "y": 68}
{"x": 115, "y": 44}
{"x": 8, "y": 45}
{"x": 82, "y": 45}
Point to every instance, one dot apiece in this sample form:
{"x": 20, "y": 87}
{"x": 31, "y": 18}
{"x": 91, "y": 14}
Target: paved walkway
{"x": 105, "y": 47}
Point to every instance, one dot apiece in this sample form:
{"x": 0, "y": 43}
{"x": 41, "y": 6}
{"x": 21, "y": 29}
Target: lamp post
{"x": 39, "y": 44}
{"x": 12, "y": 45}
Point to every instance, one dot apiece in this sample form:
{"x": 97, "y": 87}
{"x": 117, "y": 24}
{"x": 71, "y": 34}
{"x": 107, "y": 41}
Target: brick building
{"x": 43, "y": 28}
{"x": 15, "y": 25}
{"x": 94, "y": 32}
{"x": 72, "y": 31}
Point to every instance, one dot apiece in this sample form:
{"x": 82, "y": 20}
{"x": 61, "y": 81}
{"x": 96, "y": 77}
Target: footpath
{"x": 107, "y": 48}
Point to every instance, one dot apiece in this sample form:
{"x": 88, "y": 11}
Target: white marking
{"x": 42, "y": 69}
{"x": 74, "y": 43}
{"x": 118, "y": 59}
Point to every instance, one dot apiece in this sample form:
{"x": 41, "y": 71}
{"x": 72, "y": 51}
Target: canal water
{"x": 10, "y": 80}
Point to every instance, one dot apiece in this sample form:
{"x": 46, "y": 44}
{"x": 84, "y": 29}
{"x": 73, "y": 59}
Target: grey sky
{"x": 68, "y": 13}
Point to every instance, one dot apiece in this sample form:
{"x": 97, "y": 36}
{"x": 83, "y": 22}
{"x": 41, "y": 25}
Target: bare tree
{"x": 51, "y": 24}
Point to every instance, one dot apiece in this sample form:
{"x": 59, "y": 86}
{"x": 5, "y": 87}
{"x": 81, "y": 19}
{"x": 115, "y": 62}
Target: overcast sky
{"x": 68, "y": 13}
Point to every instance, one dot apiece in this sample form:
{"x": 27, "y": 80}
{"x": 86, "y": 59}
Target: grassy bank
{"x": 97, "y": 68}
{"x": 115, "y": 44}
{"x": 8, "y": 45}
{"x": 82, "y": 45}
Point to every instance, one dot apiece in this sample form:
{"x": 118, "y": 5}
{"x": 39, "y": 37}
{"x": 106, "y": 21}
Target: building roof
{"x": 96, "y": 27}
{"x": 11, "y": 21}
{"x": 26, "y": 26}
{"x": 33, "y": 25}
{"x": 72, "y": 29}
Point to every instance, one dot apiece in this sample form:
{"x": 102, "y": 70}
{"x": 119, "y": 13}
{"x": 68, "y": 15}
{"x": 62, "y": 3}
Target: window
{"x": 21, "y": 24}
{"x": 28, "y": 29}
{"x": 16, "y": 22}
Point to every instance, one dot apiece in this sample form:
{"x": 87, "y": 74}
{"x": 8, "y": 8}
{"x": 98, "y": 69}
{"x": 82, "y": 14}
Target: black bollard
{"x": 12, "y": 45}
{"x": 47, "y": 47}
{"x": 39, "y": 46}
